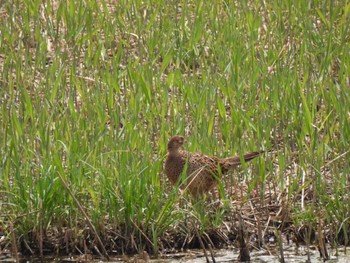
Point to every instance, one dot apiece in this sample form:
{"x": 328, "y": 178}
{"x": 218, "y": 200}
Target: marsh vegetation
{"x": 91, "y": 91}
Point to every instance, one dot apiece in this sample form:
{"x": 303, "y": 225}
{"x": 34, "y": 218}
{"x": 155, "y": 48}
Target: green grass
{"x": 92, "y": 91}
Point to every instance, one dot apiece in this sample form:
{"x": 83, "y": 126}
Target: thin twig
{"x": 14, "y": 242}
{"x": 280, "y": 245}
{"x": 321, "y": 241}
{"x": 201, "y": 242}
{"x": 272, "y": 66}
{"x": 211, "y": 253}
{"x": 336, "y": 158}
{"x": 142, "y": 233}
{"x": 41, "y": 230}
{"x": 28, "y": 247}
{"x": 85, "y": 215}
{"x": 244, "y": 254}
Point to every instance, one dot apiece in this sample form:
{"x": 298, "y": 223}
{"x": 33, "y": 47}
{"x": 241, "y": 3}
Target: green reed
{"x": 92, "y": 91}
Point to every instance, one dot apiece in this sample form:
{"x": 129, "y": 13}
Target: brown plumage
{"x": 202, "y": 170}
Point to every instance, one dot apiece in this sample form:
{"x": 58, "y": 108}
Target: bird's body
{"x": 202, "y": 171}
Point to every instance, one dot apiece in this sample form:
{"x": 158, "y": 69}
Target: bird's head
{"x": 175, "y": 143}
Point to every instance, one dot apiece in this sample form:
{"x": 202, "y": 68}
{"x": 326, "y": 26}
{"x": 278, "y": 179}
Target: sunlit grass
{"x": 92, "y": 91}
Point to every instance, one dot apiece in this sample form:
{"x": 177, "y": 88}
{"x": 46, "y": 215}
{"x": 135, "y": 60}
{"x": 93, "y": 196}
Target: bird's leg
{"x": 214, "y": 193}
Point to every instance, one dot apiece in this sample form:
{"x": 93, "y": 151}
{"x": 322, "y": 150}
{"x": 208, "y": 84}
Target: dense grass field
{"x": 91, "y": 91}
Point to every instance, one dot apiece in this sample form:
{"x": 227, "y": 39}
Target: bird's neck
{"x": 173, "y": 152}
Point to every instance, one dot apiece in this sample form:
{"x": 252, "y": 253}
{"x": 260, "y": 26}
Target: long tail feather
{"x": 230, "y": 162}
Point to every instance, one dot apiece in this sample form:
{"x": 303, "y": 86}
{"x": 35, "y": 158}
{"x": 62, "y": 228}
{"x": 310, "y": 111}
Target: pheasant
{"x": 202, "y": 171}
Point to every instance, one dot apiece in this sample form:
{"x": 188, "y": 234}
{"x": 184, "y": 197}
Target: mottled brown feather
{"x": 202, "y": 170}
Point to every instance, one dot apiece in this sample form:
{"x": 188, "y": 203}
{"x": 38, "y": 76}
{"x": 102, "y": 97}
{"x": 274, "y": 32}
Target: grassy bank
{"x": 91, "y": 91}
